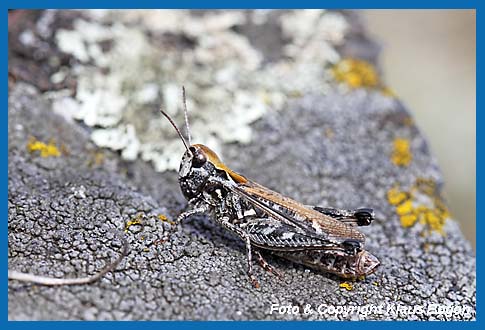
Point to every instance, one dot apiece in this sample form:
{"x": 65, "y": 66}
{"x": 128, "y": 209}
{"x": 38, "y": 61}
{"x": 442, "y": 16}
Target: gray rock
{"x": 334, "y": 149}
{"x": 200, "y": 273}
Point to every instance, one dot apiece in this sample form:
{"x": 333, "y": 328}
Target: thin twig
{"x": 44, "y": 280}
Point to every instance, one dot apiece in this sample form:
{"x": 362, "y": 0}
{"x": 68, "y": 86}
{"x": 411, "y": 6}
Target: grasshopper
{"x": 321, "y": 238}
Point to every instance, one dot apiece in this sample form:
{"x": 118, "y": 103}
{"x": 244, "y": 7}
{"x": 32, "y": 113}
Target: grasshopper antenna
{"x": 187, "y": 128}
{"x": 176, "y": 128}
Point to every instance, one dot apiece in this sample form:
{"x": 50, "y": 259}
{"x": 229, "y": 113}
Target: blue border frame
{"x": 369, "y": 4}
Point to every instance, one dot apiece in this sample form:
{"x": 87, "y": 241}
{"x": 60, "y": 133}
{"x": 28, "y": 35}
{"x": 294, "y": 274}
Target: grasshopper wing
{"x": 295, "y": 217}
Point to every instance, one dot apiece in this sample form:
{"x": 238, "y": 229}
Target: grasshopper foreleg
{"x": 246, "y": 238}
{"x": 182, "y": 217}
{"x": 188, "y": 214}
{"x": 254, "y": 280}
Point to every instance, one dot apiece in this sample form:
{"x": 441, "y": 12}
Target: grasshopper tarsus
{"x": 254, "y": 282}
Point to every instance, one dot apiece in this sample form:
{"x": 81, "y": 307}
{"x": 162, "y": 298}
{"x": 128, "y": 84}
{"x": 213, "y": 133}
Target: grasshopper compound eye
{"x": 199, "y": 158}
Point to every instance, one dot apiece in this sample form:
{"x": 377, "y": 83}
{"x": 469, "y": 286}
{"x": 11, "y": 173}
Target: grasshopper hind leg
{"x": 266, "y": 266}
{"x": 358, "y": 217}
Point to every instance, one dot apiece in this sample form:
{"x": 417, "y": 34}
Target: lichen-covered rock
{"x": 347, "y": 145}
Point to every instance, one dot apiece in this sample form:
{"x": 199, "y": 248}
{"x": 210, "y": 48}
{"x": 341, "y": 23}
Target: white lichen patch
{"x": 307, "y": 45}
{"x": 122, "y": 137}
{"x": 131, "y": 62}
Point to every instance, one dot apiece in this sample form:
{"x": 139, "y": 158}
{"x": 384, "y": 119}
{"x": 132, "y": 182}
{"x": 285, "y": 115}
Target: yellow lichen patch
{"x": 346, "y": 285}
{"x": 46, "y": 150}
{"x": 401, "y": 154}
{"x": 165, "y": 219}
{"x": 395, "y": 196}
{"x": 426, "y": 247}
{"x": 426, "y": 186}
{"x": 387, "y": 91}
{"x": 329, "y": 133}
{"x": 98, "y": 158}
{"x": 266, "y": 97}
{"x": 64, "y": 150}
{"x": 356, "y": 73}
{"x": 408, "y": 220}
{"x": 434, "y": 219}
{"x": 422, "y": 203}
{"x": 408, "y": 121}
{"x": 135, "y": 221}
{"x": 404, "y": 208}
{"x": 295, "y": 94}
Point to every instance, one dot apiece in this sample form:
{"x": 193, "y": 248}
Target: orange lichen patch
{"x": 429, "y": 211}
{"x": 356, "y": 73}
{"x": 346, "y": 285}
{"x": 401, "y": 154}
{"x": 46, "y": 150}
{"x": 165, "y": 219}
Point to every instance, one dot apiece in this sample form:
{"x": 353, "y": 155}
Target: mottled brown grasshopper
{"x": 321, "y": 238}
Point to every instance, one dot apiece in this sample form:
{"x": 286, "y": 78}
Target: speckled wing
{"x": 296, "y": 216}
{"x": 272, "y": 234}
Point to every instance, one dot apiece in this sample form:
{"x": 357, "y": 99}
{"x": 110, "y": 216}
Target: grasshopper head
{"x": 197, "y": 160}
{"x": 199, "y": 163}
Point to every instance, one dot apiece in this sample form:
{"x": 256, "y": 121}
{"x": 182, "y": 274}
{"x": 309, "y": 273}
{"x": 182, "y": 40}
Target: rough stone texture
{"x": 65, "y": 215}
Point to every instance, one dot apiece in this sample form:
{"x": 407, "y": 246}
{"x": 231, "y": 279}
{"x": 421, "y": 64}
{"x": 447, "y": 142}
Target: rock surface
{"x": 335, "y": 149}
